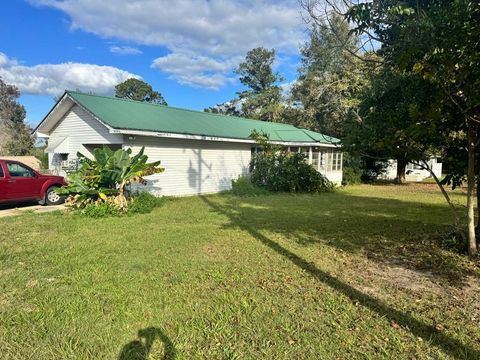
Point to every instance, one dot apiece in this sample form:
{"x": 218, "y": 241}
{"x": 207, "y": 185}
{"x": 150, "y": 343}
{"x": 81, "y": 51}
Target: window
{"x": 1, "y": 172}
{"x": 294, "y": 149}
{"x": 18, "y": 170}
{"x": 334, "y": 161}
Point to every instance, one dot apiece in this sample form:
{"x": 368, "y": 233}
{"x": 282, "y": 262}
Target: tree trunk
{"x": 477, "y": 227}
{"x": 472, "y": 241}
{"x": 444, "y": 192}
{"x": 401, "y": 165}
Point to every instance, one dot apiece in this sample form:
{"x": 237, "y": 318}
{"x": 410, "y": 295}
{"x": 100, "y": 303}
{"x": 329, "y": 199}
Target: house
{"x": 413, "y": 172}
{"x": 201, "y": 152}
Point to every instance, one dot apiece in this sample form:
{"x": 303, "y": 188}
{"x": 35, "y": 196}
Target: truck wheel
{"x": 52, "y": 198}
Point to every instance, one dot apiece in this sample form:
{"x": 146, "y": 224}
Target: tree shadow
{"x": 388, "y": 231}
{"x": 140, "y": 348}
{"x": 418, "y": 328}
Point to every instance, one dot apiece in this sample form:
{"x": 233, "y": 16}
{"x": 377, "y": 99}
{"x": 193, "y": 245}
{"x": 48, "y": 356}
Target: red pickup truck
{"x": 20, "y": 183}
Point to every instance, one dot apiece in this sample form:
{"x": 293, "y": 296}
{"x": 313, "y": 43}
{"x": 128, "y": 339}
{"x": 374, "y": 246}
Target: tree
{"x": 437, "y": 40}
{"x": 330, "y": 78}
{"x": 139, "y": 90}
{"x": 15, "y": 135}
{"x": 392, "y": 120}
{"x": 232, "y": 108}
{"x": 263, "y": 99}
{"x": 256, "y": 71}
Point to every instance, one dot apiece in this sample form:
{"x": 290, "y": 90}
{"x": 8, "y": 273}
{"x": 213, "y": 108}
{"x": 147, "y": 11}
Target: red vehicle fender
{"x": 51, "y": 182}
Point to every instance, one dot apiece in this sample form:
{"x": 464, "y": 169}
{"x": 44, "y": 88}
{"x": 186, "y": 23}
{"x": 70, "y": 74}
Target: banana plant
{"x": 108, "y": 174}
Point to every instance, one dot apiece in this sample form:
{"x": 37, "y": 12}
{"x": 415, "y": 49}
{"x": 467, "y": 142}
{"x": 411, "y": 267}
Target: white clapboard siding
{"x": 81, "y": 128}
{"x": 192, "y": 166}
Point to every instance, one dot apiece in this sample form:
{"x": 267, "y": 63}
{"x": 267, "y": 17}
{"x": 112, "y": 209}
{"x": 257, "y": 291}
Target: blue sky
{"x": 186, "y": 49}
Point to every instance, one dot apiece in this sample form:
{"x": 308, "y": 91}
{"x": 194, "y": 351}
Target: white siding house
{"x": 201, "y": 152}
{"x": 72, "y": 133}
{"x": 413, "y": 172}
{"x": 193, "y": 166}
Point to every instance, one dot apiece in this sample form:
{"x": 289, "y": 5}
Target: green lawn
{"x": 346, "y": 275}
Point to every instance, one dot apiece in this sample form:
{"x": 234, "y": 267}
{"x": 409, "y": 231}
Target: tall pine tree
{"x": 263, "y": 99}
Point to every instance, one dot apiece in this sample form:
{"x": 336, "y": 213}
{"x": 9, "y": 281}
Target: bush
{"x": 99, "y": 210}
{"x": 243, "y": 186}
{"x": 352, "y": 169}
{"x": 352, "y": 175}
{"x": 372, "y": 170}
{"x": 144, "y": 203}
{"x": 287, "y": 172}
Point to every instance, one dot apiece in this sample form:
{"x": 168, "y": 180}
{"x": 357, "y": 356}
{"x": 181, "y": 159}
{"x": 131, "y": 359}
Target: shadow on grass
{"x": 140, "y": 348}
{"x": 418, "y": 328}
{"x": 389, "y": 231}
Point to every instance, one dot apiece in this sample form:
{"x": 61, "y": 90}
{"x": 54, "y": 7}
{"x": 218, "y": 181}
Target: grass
{"x": 345, "y": 275}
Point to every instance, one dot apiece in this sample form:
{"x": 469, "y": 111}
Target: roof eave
{"x": 35, "y": 131}
{"x": 213, "y": 138}
{"x": 65, "y": 96}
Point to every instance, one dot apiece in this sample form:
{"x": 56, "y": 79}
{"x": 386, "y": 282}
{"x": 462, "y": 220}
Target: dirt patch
{"x": 376, "y": 279}
{"x": 401, "y": 278}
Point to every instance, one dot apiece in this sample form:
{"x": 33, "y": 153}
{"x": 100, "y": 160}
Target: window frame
{"x": 30, "y": 170}
{"x": 334, "y": 160}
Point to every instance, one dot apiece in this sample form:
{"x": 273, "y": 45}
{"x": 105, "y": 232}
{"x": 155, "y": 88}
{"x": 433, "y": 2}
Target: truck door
{"x": 22, "y": 183}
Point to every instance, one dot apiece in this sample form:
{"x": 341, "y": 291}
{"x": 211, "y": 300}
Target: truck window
{"x": 18, "y": 170}
{"x": 1, "y": 171}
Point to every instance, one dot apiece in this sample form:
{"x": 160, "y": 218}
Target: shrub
{"x": 243, "y": 186}
{"x": 99, "y": 210}
{"x": 353, "y": 167}
{"x": 352, "y": 175}
{"x": 372, "y": 170}
{"x": 289, "y": 172}
{"x": 144, "y": 203}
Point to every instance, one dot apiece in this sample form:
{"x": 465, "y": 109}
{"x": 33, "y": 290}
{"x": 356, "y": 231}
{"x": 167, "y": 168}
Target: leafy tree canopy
{"x": 15, "y": 134}
{"x": 139, "y": 90}
{"x": 330, "y": 78}
{"x": 436, "y": 40}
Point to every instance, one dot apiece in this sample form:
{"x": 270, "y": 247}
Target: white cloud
{"x": 53, "y": 79}
{"x": 214, "y": 31}
{"x": 125, "y": 50}
{"x": 196, "y": 70}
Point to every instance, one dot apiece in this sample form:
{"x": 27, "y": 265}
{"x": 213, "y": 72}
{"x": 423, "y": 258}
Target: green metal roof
{"x": 135, "y": 115}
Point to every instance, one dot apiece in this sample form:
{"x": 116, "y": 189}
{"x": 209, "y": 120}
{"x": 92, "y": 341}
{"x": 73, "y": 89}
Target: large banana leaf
{"x": 109, "y": 172}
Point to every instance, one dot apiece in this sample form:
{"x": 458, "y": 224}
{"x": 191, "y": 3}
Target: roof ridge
{"x": 230, "y": 117}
